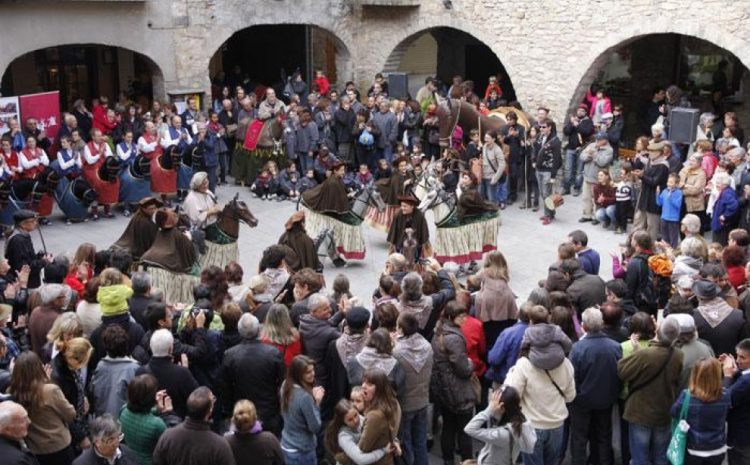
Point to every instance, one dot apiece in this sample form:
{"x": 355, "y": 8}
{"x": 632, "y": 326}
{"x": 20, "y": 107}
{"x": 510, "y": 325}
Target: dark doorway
{"x": 480, "y": 64}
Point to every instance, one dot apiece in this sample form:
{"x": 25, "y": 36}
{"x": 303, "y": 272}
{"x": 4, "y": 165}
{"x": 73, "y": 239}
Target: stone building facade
{"x": 551, "y": 49}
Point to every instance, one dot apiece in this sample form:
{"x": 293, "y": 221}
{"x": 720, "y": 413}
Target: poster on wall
{"x": 45, "y": 107}
{"x": 8, "y": 111}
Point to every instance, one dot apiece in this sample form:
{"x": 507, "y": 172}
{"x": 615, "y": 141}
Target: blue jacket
{"x": 594, "y": 360}
{"x": 590, "y": 261}
{"x": 738, "y": 418}
{"x": 504, "y": 353}
{"x": 707, "y": 421}
{"x": 726, "y": 205}
{"x": 670, "y": 204}
{"x": 210, "y": 158}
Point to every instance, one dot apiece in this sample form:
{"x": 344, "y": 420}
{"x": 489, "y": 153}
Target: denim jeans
{"x": 223, "y": 166}
{"x": 546, "y": 188}
{"x": 648, "y": 446}
{"x": 546, "y": 449}
{"x": 413, "y": 437}
{"x": 607, "y": 214}
{"x": 573, "y": 170}
{"x": 305, "y": 162}
{"x": 502, "y": 191}
{"x": 300, "y": 458}
{"x": 488, "y": 191}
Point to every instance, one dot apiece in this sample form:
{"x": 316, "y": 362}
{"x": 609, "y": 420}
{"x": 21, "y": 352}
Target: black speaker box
{"x": 683, "y": 123}
{"x": 398, "y": 85}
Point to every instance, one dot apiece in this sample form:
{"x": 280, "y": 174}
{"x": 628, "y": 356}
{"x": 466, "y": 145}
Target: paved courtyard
{"x": 528, "y": 246}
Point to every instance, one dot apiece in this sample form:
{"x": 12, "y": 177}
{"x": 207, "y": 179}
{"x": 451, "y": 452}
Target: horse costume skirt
{"x": 73, "y": 208}
{"x": 184, "y": 175}
{"x": 219, "y": 254}
{"x": 177, "y": 287}
{"x": 464, "y": 243}
{"x": 163, "y": 181}
{"x": 133, "y": 189}
{"x": 381, "y": 220}
{"x": 349, "y": 239}
{"x": 44, "y": 207}
{"x": 108, "y": 193}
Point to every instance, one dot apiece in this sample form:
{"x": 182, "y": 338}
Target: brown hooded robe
{"x": 172, "y": 250}
{"x": 329, "y": 197}
{"x": 139, "y": 235}
{"x": 304, "y": 249}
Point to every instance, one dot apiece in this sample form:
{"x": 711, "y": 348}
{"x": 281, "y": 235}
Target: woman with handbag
{"x": 452, "y": 387}
{"x": 704, "y": 407}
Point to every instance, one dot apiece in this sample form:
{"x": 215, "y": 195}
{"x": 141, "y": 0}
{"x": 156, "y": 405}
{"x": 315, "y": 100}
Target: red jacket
{"x": 323, "y": 84}
{"x": 490, "y": 88}
{"x": 101, "y": 122}
{"x": 476, "y": 345}
{"x": 288, "y": 352}
{"x": 736, "y": 276}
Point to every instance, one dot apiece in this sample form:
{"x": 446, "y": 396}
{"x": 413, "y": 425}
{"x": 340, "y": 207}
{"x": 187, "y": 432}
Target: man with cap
{"x": 693, "y": 348}
{"x": 653, "y": 376}
{"x": 14, "y": 426}
{"x": 596, "y": 156}
{"x": 305, "y": 251}
{"x": 172, "y": 249}
{"x": 340, "y": 352}
{"x": 141, "y": 231}
{"x": 19, "y": 248}
{"x": 409, "y": 233}
{"x": 653, "y": 179}
{"x": 578, "y": 130}
{"x": 716, "y": 321}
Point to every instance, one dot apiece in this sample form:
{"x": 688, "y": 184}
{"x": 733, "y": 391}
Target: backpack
{"x": 645, "y": 297}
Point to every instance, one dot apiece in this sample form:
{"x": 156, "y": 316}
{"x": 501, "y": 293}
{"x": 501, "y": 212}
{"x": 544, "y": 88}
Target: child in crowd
{"x": 308, "y": 182}
{"x": 343, "y": 434}
{"x": 383, "y": 171}
{"x": 604, "y": 199}
{"x": 670, "y": 201}
{"x": 364, "y": 177}
{"x": 263, "y": 185}
{"x": 545, "y": 344}
{"x": 416, "y": 151}
{"x": 357, "y": 398}
{"x": 715, "y": 250}
{"x": 289, "y": 182}
{"x": 623, "y": 198}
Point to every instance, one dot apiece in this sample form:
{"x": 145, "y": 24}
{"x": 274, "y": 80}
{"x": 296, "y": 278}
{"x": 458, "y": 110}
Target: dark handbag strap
{"x": 640, "y": 386}
{"x": 555, "y": 384}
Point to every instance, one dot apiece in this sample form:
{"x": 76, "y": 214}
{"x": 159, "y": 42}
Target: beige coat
{"x": 694, "y": 189}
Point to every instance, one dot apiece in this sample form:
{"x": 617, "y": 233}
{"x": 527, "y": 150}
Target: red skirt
{"x": 163, "y": 181}
{"x": 108, "y": 193}
{"x": 44, "y": 208}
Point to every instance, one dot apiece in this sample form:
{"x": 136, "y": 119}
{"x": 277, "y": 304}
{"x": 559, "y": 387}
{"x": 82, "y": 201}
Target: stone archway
{"x": 86, "y": 71}
{"x": 261, "y": 51}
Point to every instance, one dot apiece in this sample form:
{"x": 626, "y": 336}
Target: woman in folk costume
{"x": 34, "y": 164}
{"x": 163, "y": 180}
{"x": 398, "y": 185}
{"x": 72, "y": 192}
{"x": 95, "y": 154}
{"x": 327, "y": 208}
{"x": 200, "y": 204}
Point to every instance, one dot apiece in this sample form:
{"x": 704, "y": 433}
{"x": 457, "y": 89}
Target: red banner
{"x": 45, "y": 108}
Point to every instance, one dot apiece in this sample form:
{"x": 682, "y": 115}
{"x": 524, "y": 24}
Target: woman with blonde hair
{"x": 707, "y": 407}
{"x": 279, "y": 332}
{"x": 495, "y": 303}
{"x": 70, "y": 372}
{"x": 249, "y": 443}
{"x": 66, "y": 327}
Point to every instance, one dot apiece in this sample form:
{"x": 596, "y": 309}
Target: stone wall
{"x": 551, "y": 50}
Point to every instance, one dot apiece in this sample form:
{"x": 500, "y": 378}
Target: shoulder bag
{"x": 678, "y": 443}
{"x": 642, "y": 385}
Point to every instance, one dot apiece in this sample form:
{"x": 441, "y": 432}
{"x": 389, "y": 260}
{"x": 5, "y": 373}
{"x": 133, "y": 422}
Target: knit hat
{"x": 583, "y": 106}
{"x": 705, "y": 290}
{"x": 113, "y": 300}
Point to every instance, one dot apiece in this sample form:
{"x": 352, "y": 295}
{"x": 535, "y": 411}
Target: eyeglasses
{"x": 113, "y": 439}
{"x": 543, "y": 127}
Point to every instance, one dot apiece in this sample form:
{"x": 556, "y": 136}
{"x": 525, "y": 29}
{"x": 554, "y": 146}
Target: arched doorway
{"x": 259, "y": 55}
{"x": 444, "y": 52}
{"x": 713, "y": 78}
{"x": 85, "y": 71}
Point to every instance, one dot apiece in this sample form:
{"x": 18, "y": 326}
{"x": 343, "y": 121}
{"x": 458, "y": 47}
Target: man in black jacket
{"x": 14, "y": 426}
{"x": 578, "y": 130}
{"x": 343, "y": 125}
{"x": 254, "y": 371}
{"x": 19, "y": 248}
{"x": 176, "y": 379}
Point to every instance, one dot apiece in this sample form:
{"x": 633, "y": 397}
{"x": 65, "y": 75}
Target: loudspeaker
{"x": 683, "y": 123}
{"x": 398, "y": 85}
